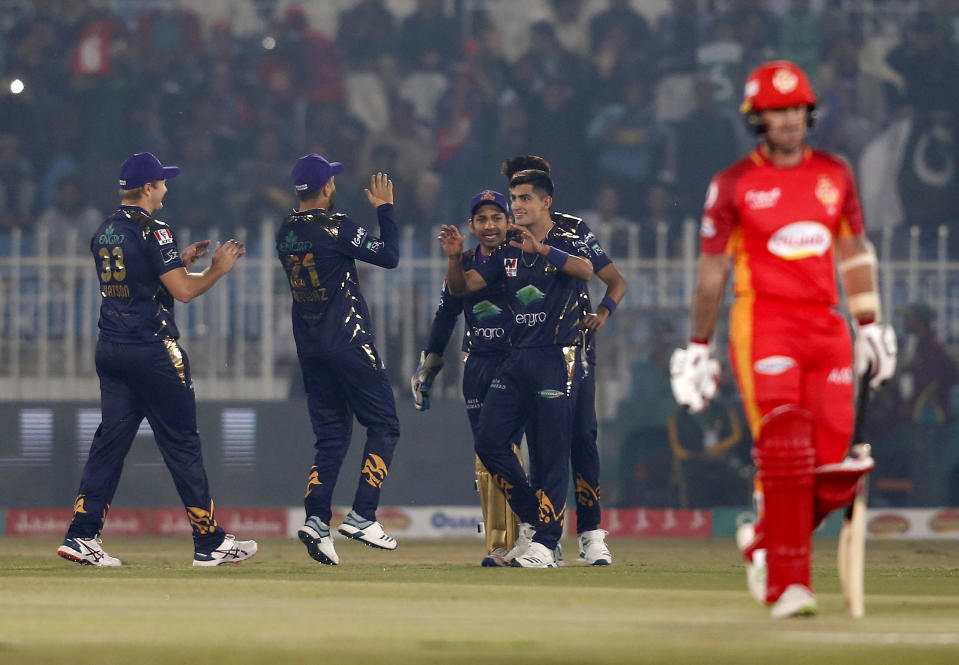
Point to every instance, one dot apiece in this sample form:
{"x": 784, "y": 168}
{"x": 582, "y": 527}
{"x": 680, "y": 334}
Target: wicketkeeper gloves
{"x": 430, "y": 365}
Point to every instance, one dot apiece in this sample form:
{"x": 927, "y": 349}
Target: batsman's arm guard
{"x": 430, "y": 365}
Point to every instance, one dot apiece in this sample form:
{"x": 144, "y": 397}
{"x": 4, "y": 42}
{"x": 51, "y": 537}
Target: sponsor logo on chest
{"x": 762, "y": 199}
{"x": 827, "y": 193}
{"x": 800, "y": 240}
{"x": 510, "y": 265}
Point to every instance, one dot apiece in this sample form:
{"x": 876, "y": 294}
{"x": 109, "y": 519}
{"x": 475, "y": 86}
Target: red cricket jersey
{"x": 779, "y": 224}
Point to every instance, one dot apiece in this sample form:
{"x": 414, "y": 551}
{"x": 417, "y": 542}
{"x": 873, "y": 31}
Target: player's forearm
{"x": 576, "y": 266}
{"x": 708, "y": 297}
{"x": 199, "y": 283}
{"x": 857, "y": 270}
{"x": 389, "y": 255}
{"x": 455, "y": 276}
{"x": 615, "y": 284}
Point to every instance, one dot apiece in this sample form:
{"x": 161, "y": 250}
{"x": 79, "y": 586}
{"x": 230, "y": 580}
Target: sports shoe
{"x": 795, "y": 601}
{"x": 315, "y": 534}
{"x": 524, "y": 537}
{"x": 537, "y": 555}
{"x": 756, "y": 567}
{"x": 87, "y": 552}
{"x": 558, "y": 554}
{"x": 230, "y": 550}
{"x": 495, "y": 559}
{"x": 367, "y": 531}
{"x": 593, "y": 549}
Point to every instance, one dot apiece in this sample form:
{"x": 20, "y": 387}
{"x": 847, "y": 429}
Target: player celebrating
{"x": 540, "y": 378}
{"x": 781, "y": 214}
{"x": 143, "y": 371}
{"x": 584, "y": 454}
{"x": 488, "y": 321}
{"x": 342, "y": 372}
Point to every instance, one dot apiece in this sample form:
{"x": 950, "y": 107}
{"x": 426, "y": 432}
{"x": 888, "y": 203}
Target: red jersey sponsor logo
{"x": 840, "y": 376}
{"x": 773, "y": 365}
{"x": 758, "y": 199}
{"x": 163, "y": 236}
{"x": 800, "y": 240}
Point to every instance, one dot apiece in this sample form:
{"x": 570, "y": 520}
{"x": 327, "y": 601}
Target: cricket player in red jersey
{"x": 781, "y": 214}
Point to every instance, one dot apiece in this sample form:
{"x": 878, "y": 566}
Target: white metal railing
{"x": 238, "y": 334}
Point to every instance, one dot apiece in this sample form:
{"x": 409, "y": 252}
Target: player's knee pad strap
{"x": 785, "y": 458}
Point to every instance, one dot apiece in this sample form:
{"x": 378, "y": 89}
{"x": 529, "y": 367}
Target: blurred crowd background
{"x": 635, "y": 103}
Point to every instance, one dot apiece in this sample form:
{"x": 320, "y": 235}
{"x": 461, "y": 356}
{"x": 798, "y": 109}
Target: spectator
{"x": 631, "y": 143}
{"x": 618, "y": 13}
{"x": 927, "y": 374}
{"x": 18, "y": 187}
{"x": 720, "y": 57}
{"x": 927, "y": 68}
{"x": 707, "y": 139}
{"x": 429, "y": 39}
{"x": 304, "y": 64}
{"x": 606, "y": 220}
{"x": 799, "y": 36}
{"x": 570, "y": 26}
{"x": 678, "y": 36}
{"x": 366, "y": 35}
{"x": 70, "y": 213}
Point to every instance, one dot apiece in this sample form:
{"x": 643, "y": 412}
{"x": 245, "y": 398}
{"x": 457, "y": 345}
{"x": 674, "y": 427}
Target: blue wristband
{"x": 557, "y": 257}
{"x": 609, "y": 304}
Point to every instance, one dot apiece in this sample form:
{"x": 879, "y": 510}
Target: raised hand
{"x": 380, "y": 190}
{"x": 528, "y": 243}
{"x": 451, "y": 240}
{"x": 191, "y": 254}
{"x": 225, "y": 255}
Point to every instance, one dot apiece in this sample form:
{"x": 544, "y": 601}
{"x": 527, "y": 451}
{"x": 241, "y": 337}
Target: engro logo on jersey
{"x": 293, "y": 244}
{"x": 800, "y": 240}
{"x": 530, "y": 318}
{"x": 759, "y": 199}
{"x": 773, "y": 365}
{"x": 488, "y": 333}
{"x": 108, "y": 237}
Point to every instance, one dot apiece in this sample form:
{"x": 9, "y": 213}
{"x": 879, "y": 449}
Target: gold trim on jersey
{"x": 569, "y": 356}
{"x": 741, "y": 317}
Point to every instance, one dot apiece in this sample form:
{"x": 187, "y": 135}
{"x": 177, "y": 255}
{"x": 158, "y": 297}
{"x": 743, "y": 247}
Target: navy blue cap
{"x": 312, "y": 171}
{"x": 142, "y": 168}
{"x": 488, "y": 196}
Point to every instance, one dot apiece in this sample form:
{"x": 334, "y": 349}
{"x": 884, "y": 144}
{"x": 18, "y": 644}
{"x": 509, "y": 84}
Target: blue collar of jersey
{"x": 310, "y": 211}
{"x": 133, "y": 209}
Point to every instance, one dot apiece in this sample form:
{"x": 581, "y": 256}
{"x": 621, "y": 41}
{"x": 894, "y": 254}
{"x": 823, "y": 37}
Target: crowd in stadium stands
{"x": 634, "y": 110}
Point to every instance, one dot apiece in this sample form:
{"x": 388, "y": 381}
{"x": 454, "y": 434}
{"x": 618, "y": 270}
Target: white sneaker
{"x": 593, "y": 549}
{"x": 87, "y": 552}
{"x": 756, "y": 572}
{"x": 230, "y": 550}
{"x": 796, "y": 601}
{"x": 315, "y": 534}
{"x": 367, "y": 531}
{"x": 536, "y": 556}
{"x": 524, "y": 537}
{"x": 558, "y": 555}
{"x": 495, "y": 559}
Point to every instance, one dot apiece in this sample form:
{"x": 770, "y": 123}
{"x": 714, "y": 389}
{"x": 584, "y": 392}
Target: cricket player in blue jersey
{"x": 540, "y": 378}
{"x": 143, "y": 371}
{"x": 584, "y": 455}
{"x": 342, "y": 371}
{"x": 485, "y": 347}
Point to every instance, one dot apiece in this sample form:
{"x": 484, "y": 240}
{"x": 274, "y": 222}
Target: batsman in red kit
{"x": 780, "y": 215}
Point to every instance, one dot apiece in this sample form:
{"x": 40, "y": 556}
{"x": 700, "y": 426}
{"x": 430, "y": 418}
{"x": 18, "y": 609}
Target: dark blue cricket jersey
{"x": 131, "y": 250}
{"x": 547, "y": 305}
{"x": 318, "y": 252}
{"x": 488, "y": 319}
{"x": 581, "y": 234}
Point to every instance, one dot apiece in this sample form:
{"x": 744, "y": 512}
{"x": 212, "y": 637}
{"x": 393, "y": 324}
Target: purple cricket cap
{"x": 312, "y": 171}
{"x": 142, "y": 168}
{"x": 488, "y": 196}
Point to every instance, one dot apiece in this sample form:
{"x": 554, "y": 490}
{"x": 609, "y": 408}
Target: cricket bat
{"x": 851, "y": 555}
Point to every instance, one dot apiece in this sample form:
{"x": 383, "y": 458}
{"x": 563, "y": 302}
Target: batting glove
{"x": 430, "y": 365}
{"x": 875, "y": 352}
{"x": 694, "y": 376}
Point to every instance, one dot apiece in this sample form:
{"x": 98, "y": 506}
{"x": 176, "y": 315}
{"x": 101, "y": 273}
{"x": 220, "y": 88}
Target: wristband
{"x": 557, "y": 257}
{"x": 609, "y": 304}
{"x": 699, "y": 340}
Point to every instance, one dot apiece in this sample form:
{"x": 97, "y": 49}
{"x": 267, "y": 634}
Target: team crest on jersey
{"x": 827, "y": 193}
{"x": 163, "y": 236}
{"x": 759, "y": 199}
{"x": 510, "y": 265}
{"x": 799, "y": 240}
{"x": 785, "y": 81}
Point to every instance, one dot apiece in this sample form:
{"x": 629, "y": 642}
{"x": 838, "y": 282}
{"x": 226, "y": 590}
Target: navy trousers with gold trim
{"x": 338, "y": 386}
{"x": 149, "y": 381}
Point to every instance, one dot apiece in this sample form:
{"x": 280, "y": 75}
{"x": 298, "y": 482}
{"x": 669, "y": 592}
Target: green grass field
{"x": 664, "y": 601}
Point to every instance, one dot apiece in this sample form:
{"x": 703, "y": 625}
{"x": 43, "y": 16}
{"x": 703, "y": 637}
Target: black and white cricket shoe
{"x": 87, "y": 552}
{"x": 367, "y": 531}
{"x": 315, "y": 534}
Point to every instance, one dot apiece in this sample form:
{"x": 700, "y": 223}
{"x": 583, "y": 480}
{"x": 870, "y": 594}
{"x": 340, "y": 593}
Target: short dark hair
{"x": 523, "y": 163}
{"x": 540, "y": 180}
